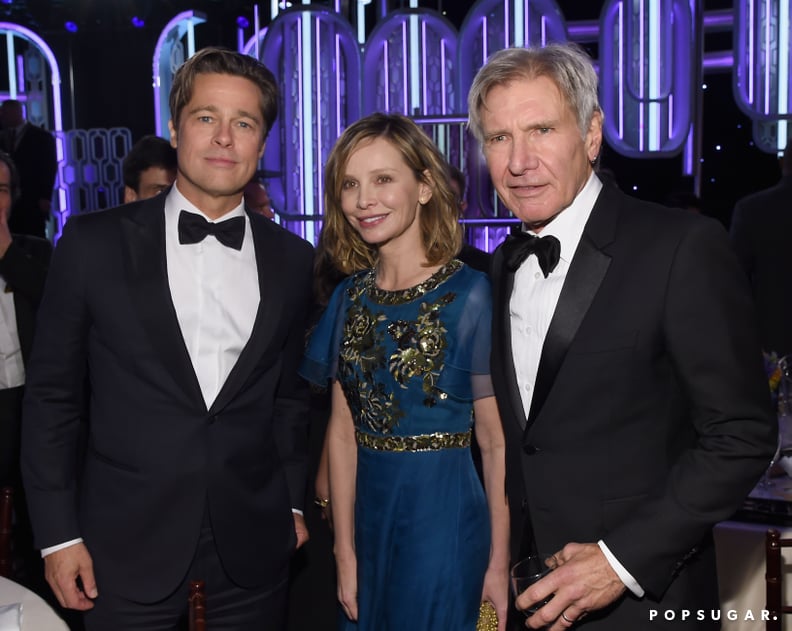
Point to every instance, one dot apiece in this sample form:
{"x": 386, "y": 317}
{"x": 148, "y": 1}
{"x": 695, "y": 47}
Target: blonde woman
{"x": 405, "y": 342}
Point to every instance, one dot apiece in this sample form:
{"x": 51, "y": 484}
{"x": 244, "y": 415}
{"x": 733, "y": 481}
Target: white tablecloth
{"x": 37, "y": 615}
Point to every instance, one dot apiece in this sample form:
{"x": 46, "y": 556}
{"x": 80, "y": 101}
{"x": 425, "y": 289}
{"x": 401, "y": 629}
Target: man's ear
{"x": 172, "y": 129}
{"x": 130, "y": 195}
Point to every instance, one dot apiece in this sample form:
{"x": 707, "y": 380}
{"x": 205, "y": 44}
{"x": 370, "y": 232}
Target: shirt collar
{"x": 175, "y": 202}
{"x": 568, "y": 225}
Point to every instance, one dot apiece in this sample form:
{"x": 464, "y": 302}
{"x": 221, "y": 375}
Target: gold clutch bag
{"x": 488, "y": 619}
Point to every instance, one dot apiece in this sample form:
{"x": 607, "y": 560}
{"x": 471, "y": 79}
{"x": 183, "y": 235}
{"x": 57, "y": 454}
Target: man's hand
{"x": 300, "y": 529}
{"x": 583, "y": 581}
{"x": 62, "y": 568}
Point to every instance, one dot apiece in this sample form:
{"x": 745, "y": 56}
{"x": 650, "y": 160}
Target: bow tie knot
{"x": 519, "y": 245}
{"x": 194, "y": 228}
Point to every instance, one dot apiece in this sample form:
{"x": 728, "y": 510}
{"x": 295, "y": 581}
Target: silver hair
{"x": 567, "y": 65}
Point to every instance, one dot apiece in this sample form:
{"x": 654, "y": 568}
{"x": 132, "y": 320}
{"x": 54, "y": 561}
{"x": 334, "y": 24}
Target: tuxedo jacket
{"x": 24, "y": 268}
{"x": 761, "y": 231}
{"x": 156, "y": 458}
{"x": 650, "y": 419}
{"x": 36, "y": 160}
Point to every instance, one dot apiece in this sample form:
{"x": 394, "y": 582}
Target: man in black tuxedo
{"x": 33, "y": 151}
{"x": 761, "y": 226}
{"x": 625, "y": 362}
{"x": 23, "y": 270}
{"x": 194, "y": 466}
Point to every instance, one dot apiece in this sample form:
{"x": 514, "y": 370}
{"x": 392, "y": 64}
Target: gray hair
{"x": 567, "y": 65}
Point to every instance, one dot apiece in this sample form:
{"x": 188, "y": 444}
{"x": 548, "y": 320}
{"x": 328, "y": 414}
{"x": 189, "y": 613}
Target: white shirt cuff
{"x": 60, "y": 546}
{"x": 626, "y": 578}
{"x": 297, "y": 511}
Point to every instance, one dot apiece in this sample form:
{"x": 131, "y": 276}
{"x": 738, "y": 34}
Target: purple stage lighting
{"x": 70, "y": 26}
{"x": 138, "y": 22}
{"x": 242, "y": 22}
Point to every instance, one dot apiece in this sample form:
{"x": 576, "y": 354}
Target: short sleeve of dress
{"x": 467, "y": 371}
{"x": 320, "y": 362}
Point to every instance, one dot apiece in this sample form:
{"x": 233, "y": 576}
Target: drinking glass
{"x": 526, "y": 572}
{"x": 783, "y": 452}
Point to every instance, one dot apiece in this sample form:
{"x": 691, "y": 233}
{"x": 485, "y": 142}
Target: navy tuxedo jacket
{"x": 156, "y": 458}
{"x": 650, "y": 419}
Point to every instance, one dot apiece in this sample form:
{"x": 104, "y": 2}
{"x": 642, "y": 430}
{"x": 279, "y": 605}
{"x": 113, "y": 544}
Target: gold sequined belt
{"x": 423, "y": 442}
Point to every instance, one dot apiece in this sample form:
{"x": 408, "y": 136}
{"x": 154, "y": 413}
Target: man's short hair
{"x": 567, "y": 65}
{"x": 149, "y": 151}
{"x": 223, "y": 61}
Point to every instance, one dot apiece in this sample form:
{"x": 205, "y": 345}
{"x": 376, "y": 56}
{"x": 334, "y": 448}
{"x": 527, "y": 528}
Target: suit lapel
{"x": 588, "y": 268}
{"x": 269, "y": 310}
{"x": 143, "y": 240}
{"x": 503, "y": 282}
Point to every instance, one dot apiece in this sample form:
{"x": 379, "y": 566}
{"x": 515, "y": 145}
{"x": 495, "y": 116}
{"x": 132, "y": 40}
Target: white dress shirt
{"x": 12, "y": 368}
{"x": 532, "y": 305}
{"x": 215, "y": 291}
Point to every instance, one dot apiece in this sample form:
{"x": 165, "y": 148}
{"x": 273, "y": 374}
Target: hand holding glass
{"x": 529, "y": 571}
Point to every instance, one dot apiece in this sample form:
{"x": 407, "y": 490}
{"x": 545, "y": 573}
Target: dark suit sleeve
{"x": 709, "y": 335}
{"x": 25, "y": 264}
{"x": 742, "y": 240}
{"x": 292, "y": 404}
{"x": 51, "y": 422}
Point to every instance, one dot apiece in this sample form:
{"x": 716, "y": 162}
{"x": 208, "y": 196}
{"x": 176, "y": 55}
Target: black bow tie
{"x": 194, "y": 228}
{"x": 519, "y": 245}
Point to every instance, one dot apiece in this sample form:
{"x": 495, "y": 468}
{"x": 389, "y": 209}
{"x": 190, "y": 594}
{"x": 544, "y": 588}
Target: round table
{"x": 37, "y": 615}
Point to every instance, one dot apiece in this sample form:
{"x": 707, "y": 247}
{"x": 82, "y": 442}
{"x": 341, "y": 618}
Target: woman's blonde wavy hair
{"x": 439, "y": 217}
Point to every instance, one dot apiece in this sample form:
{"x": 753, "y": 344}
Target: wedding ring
{"x": 321, "y": 502}
{"x": 563, "y": 615}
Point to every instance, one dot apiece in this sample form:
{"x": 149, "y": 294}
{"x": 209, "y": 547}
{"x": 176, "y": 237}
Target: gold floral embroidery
{"x": 404, "y": 296}
{"x": 420, "y": 349}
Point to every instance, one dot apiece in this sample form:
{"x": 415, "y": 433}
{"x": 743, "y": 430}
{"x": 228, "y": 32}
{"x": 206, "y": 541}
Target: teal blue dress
{"x": 411, "y": 364}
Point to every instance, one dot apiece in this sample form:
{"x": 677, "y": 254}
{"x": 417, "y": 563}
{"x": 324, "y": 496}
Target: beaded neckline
{"x": 403, "y": 296}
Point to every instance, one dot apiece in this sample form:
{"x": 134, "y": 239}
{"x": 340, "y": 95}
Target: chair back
{"x": 197, "y": 604}
{"x": 774, "y": 579}
{"x": 6, "y": 512}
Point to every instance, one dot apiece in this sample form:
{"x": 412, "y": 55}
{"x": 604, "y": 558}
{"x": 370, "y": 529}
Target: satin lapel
{"x": 589, "y": 266}
{"x": 503, "y": 282}
{"x": 147, "y": 278}
{"x": 268, "y": 256}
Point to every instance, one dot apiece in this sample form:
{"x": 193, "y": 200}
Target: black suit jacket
{"x": 156, "y": 458}
{"x": 36, "y": 160}
{"x": 650, "y": 419}
{"x": 761, "y": 231}
{"x": 24, "y": 268}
